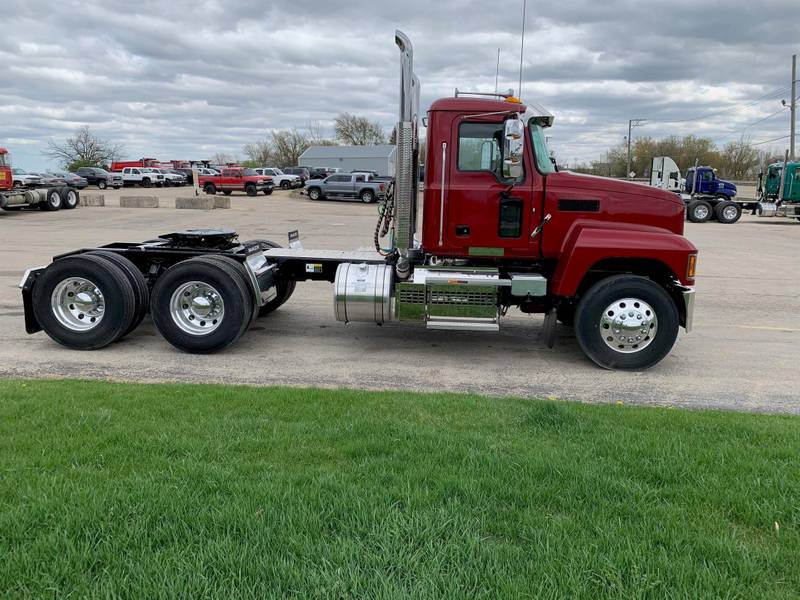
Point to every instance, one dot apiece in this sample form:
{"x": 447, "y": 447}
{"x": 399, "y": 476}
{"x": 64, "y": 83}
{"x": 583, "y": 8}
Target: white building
{"x": 351, "y": 158}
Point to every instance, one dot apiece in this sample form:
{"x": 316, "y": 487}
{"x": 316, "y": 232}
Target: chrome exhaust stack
{"x": 406, "y": 156}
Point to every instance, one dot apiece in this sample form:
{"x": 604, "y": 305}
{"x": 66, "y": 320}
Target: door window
{"x": 479, "y": 147}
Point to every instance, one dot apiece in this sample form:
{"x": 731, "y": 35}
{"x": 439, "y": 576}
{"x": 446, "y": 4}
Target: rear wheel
{"x": 250, "y": 190}
{"x": 70, "y": 198}
{"x": 210, "y": 189}
{"x": 200, "y": 306}
{"x": 626, "y": 322}
{"x": 52, "y": 200}
{"x": 367, "y": 196}
{"x": 699, "y": 211}
{"x": 137, "y": 282}
{"x": 84, "y": 302}
{"x": 728, "y": 212}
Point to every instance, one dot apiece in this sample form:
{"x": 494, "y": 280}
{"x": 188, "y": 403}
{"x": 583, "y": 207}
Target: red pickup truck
{"x": 237, "y": 179}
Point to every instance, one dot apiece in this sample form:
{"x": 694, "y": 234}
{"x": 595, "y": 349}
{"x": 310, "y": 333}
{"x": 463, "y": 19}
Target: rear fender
{"x": 587, "y": 245}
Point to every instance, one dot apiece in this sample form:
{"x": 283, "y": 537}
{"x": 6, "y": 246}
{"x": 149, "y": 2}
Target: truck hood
{"x": 612, "y": 186}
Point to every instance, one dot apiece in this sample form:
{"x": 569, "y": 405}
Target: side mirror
{"x": 513, "y": 146}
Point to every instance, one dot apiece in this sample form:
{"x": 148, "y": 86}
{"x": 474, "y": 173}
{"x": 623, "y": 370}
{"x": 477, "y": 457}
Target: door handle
{"x": 541, "y": 225}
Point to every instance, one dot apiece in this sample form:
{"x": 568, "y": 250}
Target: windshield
{"x": 543, "y": 162}
{"x": 5, "y": 160}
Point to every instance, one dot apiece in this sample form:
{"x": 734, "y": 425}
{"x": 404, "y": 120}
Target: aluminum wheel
{"x": 628, "y": 325}
{"x": 78, "y": 304}
{"x": 730, "y": 213}
{"x": 197, "y": 308}
{"x": 701, "y": 212}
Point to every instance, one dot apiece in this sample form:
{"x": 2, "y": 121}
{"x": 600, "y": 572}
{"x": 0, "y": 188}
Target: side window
{"x": 479, "y": 147}
{"x": 360, "y": 178}
{"x": 707, "y": 176}
{"x": 136, "y": 172}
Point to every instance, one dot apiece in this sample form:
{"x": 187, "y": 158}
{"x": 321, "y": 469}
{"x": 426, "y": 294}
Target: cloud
{"x": 186, "y": 79}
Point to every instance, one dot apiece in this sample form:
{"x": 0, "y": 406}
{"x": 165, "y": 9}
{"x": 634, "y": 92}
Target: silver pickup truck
{"x": 359, "y": 186}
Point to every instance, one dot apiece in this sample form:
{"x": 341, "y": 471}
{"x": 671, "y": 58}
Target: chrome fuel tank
{"x": 363, "y": 292}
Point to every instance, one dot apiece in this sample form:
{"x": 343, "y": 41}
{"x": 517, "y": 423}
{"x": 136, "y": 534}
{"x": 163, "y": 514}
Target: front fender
{"x": 586, "y": 244}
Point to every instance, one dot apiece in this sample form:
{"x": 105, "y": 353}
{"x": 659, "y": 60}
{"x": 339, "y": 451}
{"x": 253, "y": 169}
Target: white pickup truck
{"x": 143, "y": 176}
{"x": 281, "y": 179}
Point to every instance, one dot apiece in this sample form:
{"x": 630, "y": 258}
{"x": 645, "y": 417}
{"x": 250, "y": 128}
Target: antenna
{"x": 497, "y": 71}
{"x": 522, "y": 47}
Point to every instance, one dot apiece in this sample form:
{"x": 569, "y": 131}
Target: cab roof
{"x": 486, "y": 105}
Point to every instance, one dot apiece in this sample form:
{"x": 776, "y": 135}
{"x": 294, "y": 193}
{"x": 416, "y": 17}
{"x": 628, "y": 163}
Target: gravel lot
{"x": 742, "y": 354}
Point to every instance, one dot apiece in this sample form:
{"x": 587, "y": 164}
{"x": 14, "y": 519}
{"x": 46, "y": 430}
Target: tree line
{"x": 280, "y": 148}
{"x": 735, "y": 160}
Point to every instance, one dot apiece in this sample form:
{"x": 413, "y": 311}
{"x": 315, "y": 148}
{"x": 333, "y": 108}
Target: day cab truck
{"x": 236, "y": 179}
{"x": 501, "y": 229}
{"x": 779, "y": 190}
{"x": 706, "y": 197}
{"x": 50, "y": 198}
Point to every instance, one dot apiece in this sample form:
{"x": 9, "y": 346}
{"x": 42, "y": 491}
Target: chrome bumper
{"x": 688, "y": 303}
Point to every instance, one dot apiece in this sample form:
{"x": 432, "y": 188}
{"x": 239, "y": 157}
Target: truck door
{"x": 339, "y": 185}
{"x": 485, "y": 215}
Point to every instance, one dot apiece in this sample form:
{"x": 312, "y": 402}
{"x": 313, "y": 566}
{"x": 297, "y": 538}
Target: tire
{"x": 600, "y": 309}
{"x": 367, "y": 196}
{"x": 51, "y": 296}
{"x": 727, "y": 212}
{"x": 239, "y": 271}
{"x": 70, "y": 198}
{"x": 141, "y": 292}
{"x": 251, "y": 190}
{"x": 227, "y": 192}
{"x": 102, "y": 184}
{"x": 699, "y": 211}
{"x": 314, "y": 193}
{"x": 285, "y": 288}
{"x": 210, "y": 189}
{"x": 53, "y": 200}
{"x": 166, "y": 183}
{"x": 285, "y": 185}
{"x": 219, "y": 281}
{"x": 268, "y": 192}
{"x": 146, "y": 183}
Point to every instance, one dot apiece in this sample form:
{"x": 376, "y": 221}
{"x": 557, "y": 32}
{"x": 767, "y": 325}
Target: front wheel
{"x": 268, "y": 192}
{"x": 101, "y": 185}
{"x": 146, "y": 182}
{"x": 314, "y": 193}
{"x": 626, "y": 322}
{"x": 251, "y": 190}
{"x": 284, "y": 185}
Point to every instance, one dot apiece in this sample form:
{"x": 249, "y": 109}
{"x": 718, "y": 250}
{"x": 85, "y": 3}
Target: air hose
{"x": 384, "y": 224}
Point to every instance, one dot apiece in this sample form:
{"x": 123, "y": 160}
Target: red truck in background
{"x": 237, "y": 179}
{"x": 118, "y": 165}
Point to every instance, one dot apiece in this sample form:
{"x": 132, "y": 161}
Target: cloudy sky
{"x": 187, "y": 79}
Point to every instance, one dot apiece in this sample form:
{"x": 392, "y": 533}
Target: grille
{"x": 412, "y": 296}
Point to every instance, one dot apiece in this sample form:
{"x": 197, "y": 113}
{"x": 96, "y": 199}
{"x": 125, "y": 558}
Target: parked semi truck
{"x": 705, "y": 195}
{"x": 44, "y": 197}
{"x": 501, "y": 229}
{"x": 779, "y": 190}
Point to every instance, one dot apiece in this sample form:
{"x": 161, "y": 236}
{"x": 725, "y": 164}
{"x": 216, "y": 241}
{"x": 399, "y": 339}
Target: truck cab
{"x": 6, "y": 177}
{"x": 708, "y": 184}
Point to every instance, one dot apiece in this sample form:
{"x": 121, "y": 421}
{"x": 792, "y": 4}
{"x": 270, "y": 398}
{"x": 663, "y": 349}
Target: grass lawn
{"x": 147, "y": 491}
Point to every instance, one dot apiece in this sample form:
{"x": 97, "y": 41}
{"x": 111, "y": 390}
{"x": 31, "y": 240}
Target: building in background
{"x": 351, "y": 158}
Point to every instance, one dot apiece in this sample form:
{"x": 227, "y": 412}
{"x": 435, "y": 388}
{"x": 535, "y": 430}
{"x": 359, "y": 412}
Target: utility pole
{"x": 522, "y": 47}
{"x": 793, "y": 107}
{"x": 631, "y": 124}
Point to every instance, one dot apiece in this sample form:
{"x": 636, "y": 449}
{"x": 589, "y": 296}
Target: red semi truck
{"x": 501, "y": 228}
{"x": 50, "y": 198}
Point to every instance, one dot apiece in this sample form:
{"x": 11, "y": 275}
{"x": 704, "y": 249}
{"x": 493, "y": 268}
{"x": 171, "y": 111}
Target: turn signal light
{"x": 513, "y": 99}
{"x": 692, "y": 266}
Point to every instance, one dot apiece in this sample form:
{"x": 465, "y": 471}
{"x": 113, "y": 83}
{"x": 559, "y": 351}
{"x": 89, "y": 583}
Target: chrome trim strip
{"x": 441, "y": 194}
{"x": 688, "y": 302}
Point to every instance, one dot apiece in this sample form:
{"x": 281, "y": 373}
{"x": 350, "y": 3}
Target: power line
{"x": 767, "y": 96}
{"x": 777, "y": 112}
